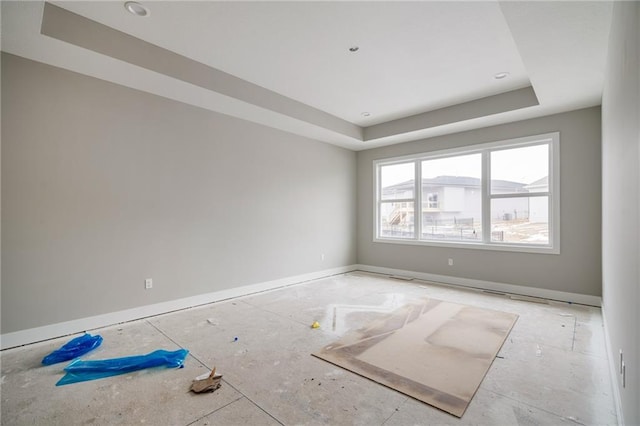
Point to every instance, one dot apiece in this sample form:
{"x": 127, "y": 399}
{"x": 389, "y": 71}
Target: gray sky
{"x": 524, "y": 165}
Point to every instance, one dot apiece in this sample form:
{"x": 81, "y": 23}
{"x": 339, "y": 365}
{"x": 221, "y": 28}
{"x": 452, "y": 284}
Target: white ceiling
{"x": 415, "y": 59}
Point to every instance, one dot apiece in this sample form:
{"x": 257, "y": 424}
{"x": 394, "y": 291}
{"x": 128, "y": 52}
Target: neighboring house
{"x": 453, "y": 205}
{"x": 539, "y": 206}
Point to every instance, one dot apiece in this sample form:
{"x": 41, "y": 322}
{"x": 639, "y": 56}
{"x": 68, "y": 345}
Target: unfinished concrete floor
{"x": 551, "y": 370}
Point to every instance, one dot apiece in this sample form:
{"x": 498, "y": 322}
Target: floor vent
{"x": 530, "y": 299}
{"x": 401, "y": 278}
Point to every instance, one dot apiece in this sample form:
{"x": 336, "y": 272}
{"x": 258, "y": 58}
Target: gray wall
{"x": 104, "y": 186}
{"x": 576, "y": 269}
{"x": 620, "y": 201}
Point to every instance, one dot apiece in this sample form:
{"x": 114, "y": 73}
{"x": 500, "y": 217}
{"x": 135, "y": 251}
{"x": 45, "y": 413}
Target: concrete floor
{"x": 551, "y": 370}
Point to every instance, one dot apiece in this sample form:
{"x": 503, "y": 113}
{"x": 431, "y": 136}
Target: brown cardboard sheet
{"x": 434, "y": 351}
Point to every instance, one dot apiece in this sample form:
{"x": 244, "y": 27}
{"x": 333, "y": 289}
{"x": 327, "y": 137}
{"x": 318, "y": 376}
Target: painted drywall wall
{"x": 621, "y": 203}
{"x": 575, "y": 270}
{"x": 104, "y": 186}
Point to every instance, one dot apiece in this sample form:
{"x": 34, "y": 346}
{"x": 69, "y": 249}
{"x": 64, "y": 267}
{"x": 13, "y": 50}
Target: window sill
{"x": 516, "y": 248}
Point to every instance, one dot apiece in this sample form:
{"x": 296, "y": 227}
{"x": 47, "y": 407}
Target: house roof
{"x": 460, "y": 181}
{"x": 540, "y": 182}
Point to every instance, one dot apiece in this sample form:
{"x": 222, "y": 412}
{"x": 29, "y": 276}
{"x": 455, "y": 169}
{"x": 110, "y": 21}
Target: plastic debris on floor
{"x": 73, "y": 349}
{"x": 81, "y": 371}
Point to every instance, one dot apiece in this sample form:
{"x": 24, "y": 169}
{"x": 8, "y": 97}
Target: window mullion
{"x": 378, "y": 201}
{"x": 520, "y": 195}
{"x": 486, "y": 198}
{"x": 417, "y": 215}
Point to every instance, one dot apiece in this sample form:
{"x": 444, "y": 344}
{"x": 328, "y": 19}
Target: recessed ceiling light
{"x": 366, "y": 114}
{"x": 354, "y": 49}
{"x": 501, "y": 75}
{"x": 136, "y": 8}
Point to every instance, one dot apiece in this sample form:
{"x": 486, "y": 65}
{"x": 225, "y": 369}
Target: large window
{"x": 502, "y": 195}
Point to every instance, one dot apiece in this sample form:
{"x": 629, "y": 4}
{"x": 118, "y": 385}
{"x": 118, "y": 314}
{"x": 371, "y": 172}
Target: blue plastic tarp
{"x": 73, "y": 349}
{"x": 81, "y": 371}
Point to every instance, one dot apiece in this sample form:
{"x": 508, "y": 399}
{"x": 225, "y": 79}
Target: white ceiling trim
{"x": 76, "y": 43}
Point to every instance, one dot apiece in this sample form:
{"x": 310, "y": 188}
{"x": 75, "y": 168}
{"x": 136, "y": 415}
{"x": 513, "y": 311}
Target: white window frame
{"x": 485, "y": 149}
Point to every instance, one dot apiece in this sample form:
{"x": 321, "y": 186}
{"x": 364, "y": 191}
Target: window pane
{"x": 469, "y": 166}
{"x": 520, "y": 170}
{"x": 396, "y": 220}
{"x": 523, "y": 220}
{"x": 397, "y": 181}
{"x": 451, "y": 198}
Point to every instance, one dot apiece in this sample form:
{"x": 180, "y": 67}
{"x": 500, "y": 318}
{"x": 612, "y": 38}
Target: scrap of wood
{"x": 206, "y": 382}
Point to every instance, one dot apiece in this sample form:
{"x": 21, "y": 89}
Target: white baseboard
{"x": 37, "y": 334}
{"x": 613, "y": 368}
{"x": 583, "y": 299}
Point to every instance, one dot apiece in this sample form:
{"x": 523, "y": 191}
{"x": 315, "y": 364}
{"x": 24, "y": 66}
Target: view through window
{"x": 455, "y": 183}
{"x": 497, "y": 194}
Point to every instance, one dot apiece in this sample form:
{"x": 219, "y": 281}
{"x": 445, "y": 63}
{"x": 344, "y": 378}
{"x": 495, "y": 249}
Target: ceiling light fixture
{"x": 501, "y": 75}
{"x": 136, "y": 8}
{"x": 354, "y": 49}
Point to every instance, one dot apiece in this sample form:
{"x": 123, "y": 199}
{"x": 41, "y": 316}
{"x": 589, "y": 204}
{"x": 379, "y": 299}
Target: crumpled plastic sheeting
{"x": 73, "y": 348}
{"x": 82, "y": 371}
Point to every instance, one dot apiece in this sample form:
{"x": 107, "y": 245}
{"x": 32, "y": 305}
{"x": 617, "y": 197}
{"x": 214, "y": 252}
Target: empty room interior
{"x": 380, "y": 213}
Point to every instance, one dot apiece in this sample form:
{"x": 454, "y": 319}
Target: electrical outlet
{"x": 450, "y": 262}
{"x": 148, "y": 283}
{"x": 322, "y": 257}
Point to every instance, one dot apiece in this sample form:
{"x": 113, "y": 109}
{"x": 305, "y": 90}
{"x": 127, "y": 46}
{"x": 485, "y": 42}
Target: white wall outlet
{"x": 148, "y": 283}
{"x": 322, "y": 257}
{"x": 450, "y": 262}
